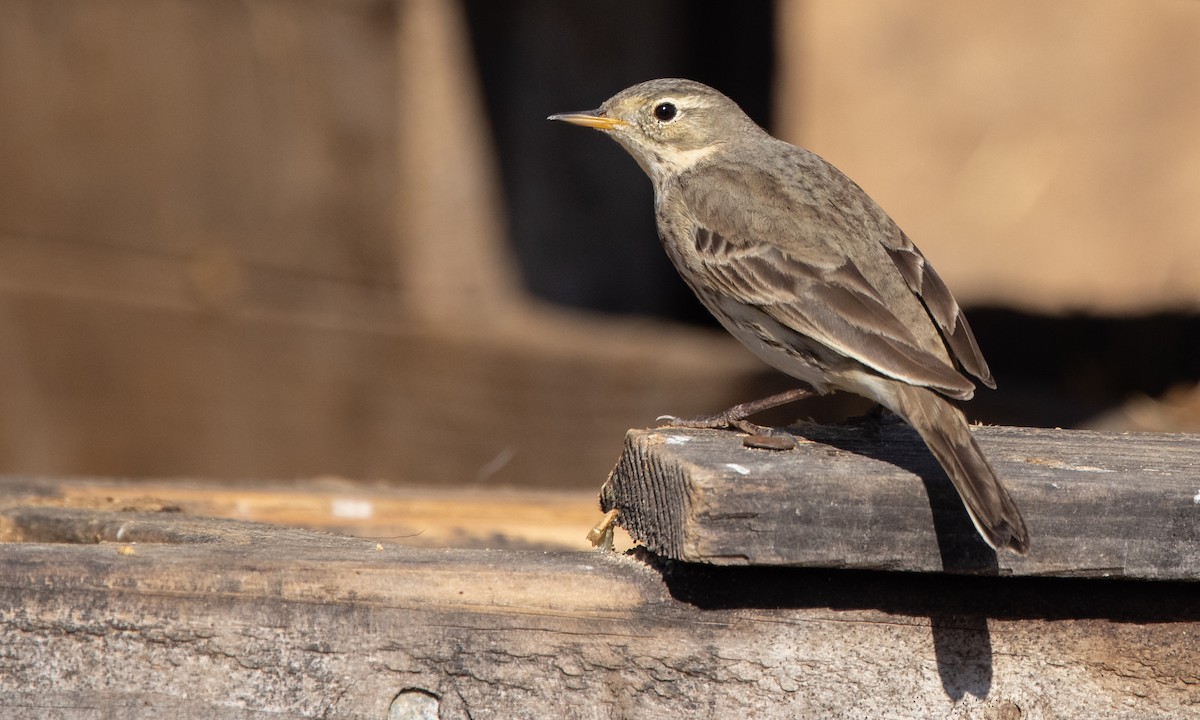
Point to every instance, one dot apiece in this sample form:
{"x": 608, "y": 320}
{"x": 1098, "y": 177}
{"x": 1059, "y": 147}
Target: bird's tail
{"x": 944, "y": 429}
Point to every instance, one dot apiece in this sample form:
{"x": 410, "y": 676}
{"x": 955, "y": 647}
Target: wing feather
{"x": 943, "y": 308}
{"x": 831, "y": 266}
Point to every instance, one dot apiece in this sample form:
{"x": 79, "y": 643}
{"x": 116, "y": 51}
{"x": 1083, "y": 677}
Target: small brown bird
{"x": 807, "y": 271}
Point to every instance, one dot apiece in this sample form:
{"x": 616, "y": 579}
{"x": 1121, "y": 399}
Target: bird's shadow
{"x": 958, "y": 606}
{"x": 962, "y": 644}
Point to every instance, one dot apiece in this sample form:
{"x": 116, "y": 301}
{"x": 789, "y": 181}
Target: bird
{"x": 798, "y": 263}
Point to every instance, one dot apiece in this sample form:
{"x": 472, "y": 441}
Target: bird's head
{"x": 667, "y": 125}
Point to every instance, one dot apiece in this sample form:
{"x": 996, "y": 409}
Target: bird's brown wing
{"x": 942, "y": 307}
{"x": 818, "y": 270}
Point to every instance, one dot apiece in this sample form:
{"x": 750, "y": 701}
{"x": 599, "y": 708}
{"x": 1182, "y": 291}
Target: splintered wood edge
{"x": 661, "y": 486}
{"x": 1098, "y": 504}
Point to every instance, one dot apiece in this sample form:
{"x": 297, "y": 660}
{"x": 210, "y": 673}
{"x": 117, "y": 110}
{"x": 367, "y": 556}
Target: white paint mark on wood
{"x": 1061, "y": 465}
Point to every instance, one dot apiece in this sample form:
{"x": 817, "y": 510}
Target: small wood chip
{"x": 601, "y": 535}
{"x": 769, "y": 442}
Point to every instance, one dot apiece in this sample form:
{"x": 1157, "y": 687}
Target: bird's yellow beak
{"x": 590, "y": 118}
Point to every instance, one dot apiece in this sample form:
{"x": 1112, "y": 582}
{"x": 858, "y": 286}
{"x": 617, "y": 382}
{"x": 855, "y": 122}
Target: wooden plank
{"x": 483, "y": 518}
{"x": 223, "y": 620}
{"x": 1123, "y": 505}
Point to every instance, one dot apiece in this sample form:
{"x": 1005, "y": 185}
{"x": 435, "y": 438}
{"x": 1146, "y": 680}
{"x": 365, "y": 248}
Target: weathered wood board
{"x": 1123, "y": 505}
{"x": 416, "y": 516}
{"x": 206, "y": 619}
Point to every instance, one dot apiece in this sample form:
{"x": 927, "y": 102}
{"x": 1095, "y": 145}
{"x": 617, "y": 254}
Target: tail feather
{"x": 944, "y": 429}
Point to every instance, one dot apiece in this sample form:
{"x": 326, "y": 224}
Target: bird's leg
{"x": 735, "y": 417}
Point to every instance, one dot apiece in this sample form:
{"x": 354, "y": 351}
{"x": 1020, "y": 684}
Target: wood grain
{"x": 416, "y": 516}
{"x": 1120, "y": 505}
{"x": 224, "y": 620}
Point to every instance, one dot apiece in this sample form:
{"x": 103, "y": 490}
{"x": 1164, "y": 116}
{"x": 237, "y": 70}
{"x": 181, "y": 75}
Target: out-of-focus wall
{"x": 264, "y": 239}
{"x": 1044, "y": 155}
{"x": 186, "y": 187}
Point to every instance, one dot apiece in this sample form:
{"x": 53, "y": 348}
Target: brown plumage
{"x": 806, "y": 270}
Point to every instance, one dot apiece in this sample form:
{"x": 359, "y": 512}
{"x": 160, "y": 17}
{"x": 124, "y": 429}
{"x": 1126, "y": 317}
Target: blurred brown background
{"x": 285, "y": 238}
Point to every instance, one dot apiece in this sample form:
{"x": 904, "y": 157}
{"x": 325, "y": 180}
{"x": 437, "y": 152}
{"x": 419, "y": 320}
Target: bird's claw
{"x": 720, "y": 422}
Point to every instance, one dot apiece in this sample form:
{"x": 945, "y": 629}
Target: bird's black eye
{"x": 665, "y": 112}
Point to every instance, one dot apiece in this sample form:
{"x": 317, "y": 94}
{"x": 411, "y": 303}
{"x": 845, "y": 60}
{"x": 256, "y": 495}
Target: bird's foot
{"x": 735, "y": 417}
{"x": 721, "y": 421}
